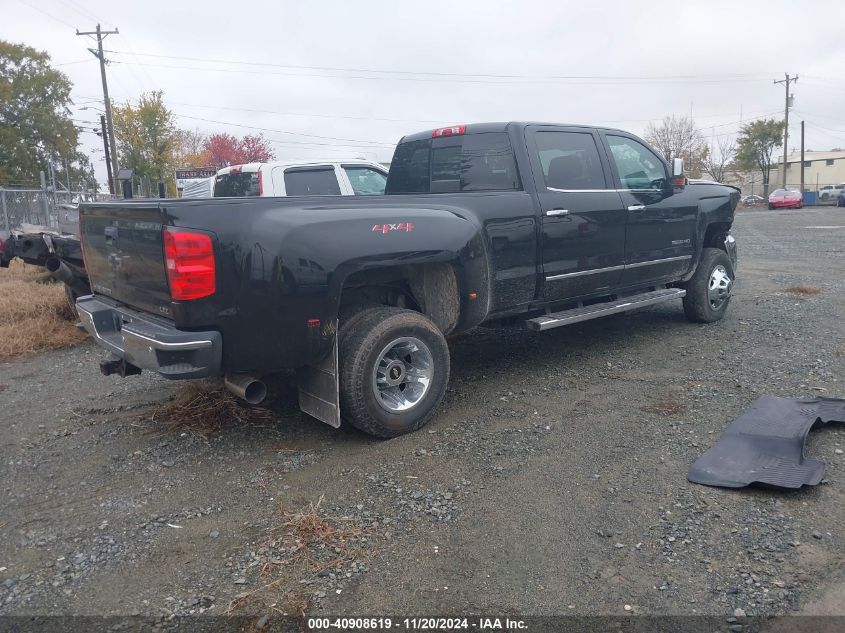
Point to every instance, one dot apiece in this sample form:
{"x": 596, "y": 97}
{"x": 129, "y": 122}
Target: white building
{"x": 820, "y": 169}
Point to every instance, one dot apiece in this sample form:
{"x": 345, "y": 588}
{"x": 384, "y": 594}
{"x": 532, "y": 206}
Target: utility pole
{"x": 802, "y": 158}
{"x": 101, "y": 35}
{"x": 112, "y": 189}
{"x": 786, "y": 81}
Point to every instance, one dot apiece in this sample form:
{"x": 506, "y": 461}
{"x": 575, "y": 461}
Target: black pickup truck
{"x": 501, "y": 224}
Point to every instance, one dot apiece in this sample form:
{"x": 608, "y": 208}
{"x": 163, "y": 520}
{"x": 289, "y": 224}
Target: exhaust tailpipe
{"x": 246, "y": 387}
{"x": 61, "y": 271}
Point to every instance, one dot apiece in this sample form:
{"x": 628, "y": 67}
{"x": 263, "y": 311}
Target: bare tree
{"x": 677, "y": 137}
{"x": 719, "y": 158}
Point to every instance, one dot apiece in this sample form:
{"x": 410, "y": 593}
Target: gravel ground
{"x": 553, "y": 480}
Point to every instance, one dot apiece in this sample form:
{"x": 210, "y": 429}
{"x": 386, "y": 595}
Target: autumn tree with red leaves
{"x": 256, "y": 149}
{"x": 224, "y": 149}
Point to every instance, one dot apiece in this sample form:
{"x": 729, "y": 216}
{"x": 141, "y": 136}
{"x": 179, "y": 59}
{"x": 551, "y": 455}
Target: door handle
{"x": 636, "y": 207}
{"x": 554, "y": 212}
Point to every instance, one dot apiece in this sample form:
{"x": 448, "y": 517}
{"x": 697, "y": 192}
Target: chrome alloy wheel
{"x": 719, "y": 287}
{"x": 402, "y": 374}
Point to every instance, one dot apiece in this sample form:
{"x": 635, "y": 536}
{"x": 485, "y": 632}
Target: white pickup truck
{"x": 299, "y": 178}
{"x": 831, "y": 193}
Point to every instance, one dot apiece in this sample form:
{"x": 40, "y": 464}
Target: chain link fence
{"x": 53, "y": 209}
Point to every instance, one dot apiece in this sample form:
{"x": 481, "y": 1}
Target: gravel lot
{"x": 553, "y": 480}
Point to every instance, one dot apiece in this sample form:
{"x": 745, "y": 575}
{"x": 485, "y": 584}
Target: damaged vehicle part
{"x": 60, "y": 254}
{"x": 765, "y": 445}
{"x": 76, "y": 285}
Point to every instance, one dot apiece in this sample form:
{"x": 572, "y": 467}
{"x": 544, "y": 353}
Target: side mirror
{"x": 678, "y": 178}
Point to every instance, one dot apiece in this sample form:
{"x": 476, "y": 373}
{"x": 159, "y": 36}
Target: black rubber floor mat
{"x": 766, "y": 445}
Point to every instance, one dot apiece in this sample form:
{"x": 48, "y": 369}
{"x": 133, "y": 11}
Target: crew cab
{"x": 503, "y": 224}
{"x": 301, "y": 178}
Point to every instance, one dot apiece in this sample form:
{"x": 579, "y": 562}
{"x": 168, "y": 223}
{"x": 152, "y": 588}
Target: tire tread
{"x": 357, "y": 340}
{"x": 696, "y": 302}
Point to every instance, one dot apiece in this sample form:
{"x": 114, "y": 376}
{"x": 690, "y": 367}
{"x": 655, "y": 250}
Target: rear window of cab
{"x": 448, "y": 164}
{"x": 236, "y": 185}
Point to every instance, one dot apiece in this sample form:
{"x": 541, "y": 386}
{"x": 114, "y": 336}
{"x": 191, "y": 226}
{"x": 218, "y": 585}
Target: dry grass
{"x": 305, "y": 544}
{"x": 206, "y": 408}
{"x": 35, "y": 314}
{"x": 803, "y": 290}
{"x": 665, "y": 407}
{"x": 309, "y": 528}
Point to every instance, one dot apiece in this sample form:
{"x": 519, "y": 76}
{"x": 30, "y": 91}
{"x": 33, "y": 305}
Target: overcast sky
{"x": 345, "y": 79}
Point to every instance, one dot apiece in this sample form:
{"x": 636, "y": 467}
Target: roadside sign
{"x": 189, "y": 175}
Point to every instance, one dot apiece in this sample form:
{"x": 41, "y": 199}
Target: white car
{"x": 354, "y": 177}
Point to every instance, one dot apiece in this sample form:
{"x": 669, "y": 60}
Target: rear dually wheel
{"x": 394, "y": 369}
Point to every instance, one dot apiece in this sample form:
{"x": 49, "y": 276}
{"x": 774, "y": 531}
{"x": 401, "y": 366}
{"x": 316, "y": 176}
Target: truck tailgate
{"x": 124, "y": 254}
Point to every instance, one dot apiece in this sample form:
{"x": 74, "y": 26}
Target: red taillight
{"x": 449, "y": 131}
{"x": 235, "y": 169}
{"x": 260, "y": 183}
{"x": 189, "y": 260}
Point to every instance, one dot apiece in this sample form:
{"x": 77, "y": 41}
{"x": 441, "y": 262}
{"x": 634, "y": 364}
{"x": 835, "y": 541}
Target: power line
{"x": 307, "y": 114}
{"x": 705, "y": 77}
{"x": 266, "y": 129}
{"x": 47, "y": 13}
{"x": 434, "y": 121}
{"x": 838, "y": 119}
{"x": 826, "y": 131}
{"x": 81, "y": 11}
{"x": 814, "y": 124}
{"x": 393, "y": 120}
{"x": 574, "y": 80}
{"x": 78, "y": 61}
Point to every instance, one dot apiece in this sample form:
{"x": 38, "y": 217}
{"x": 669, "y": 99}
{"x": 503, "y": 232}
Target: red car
{"x": 785, "y": 199}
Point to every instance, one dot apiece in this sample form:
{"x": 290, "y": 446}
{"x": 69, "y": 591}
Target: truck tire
{"x": 709, "y": 289}
{"x": 394, "y": 369}
{"x": 348, "y": 321}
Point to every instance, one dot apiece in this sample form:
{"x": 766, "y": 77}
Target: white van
{"x": 354, "y": 177}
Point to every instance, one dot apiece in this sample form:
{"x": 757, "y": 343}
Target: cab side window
{"x": 365, "y": 181}
{"x": 311, "y": 181}
{"x": 570, "y": 160}
{"x": 637, "y": 165}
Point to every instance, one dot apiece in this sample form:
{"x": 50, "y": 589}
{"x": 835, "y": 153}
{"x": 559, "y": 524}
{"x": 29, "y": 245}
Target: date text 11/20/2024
{"x": 416, "y": 624}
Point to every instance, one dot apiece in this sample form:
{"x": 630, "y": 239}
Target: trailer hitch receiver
{"x": 114, "y": 364}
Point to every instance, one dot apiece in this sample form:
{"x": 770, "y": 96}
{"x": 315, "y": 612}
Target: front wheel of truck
{"x": 394, "y": 368}
{"x": 709, "y": 289}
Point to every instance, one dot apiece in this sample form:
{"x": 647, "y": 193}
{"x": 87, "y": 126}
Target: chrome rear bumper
{"x": 149, "y": 343}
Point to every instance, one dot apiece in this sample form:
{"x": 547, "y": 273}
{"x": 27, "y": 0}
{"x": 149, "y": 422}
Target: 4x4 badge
{"x": 384, "y": 229}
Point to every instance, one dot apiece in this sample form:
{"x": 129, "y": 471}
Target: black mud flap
{"x": 765, "y": 445}
{"x": 319, "y": 389}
